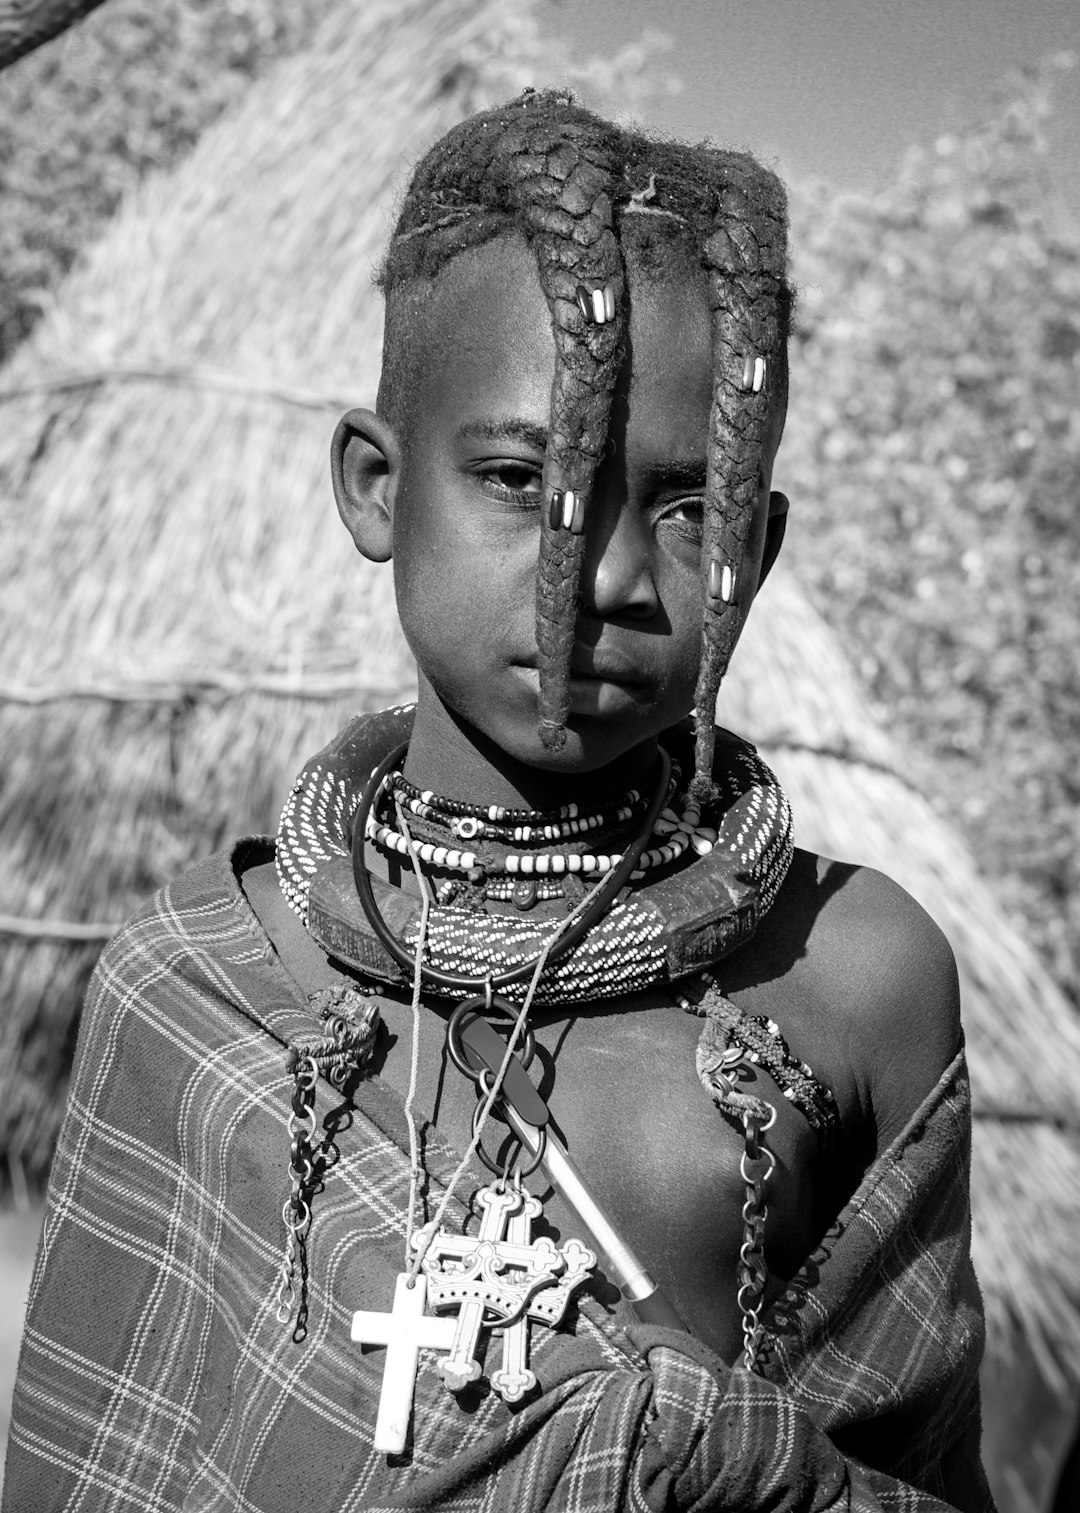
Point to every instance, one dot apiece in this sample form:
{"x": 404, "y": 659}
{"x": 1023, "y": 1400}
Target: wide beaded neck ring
{"x": 601, "y": 900}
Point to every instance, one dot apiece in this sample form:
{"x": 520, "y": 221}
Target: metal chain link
{"x": 756, "y": 1165}
{"x": 296, "y": 1210}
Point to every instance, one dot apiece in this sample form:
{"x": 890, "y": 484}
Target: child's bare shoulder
{"x": 864, "y": 981}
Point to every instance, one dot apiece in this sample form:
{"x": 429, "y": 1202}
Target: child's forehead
{"x": 485, "y": 294}
{"x": 487, "y": 353}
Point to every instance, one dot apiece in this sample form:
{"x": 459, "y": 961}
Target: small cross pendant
{"x": 403, "y": 1331}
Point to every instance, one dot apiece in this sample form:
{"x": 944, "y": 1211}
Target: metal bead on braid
{"x": 722, "y": 580}
{"x": 753, "y": 373}
{"x": 596, "y": 305}
{"x": 566, "y": 511}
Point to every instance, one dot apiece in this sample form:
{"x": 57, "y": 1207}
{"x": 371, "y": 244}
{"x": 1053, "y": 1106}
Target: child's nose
{"x": 618, "y": 570}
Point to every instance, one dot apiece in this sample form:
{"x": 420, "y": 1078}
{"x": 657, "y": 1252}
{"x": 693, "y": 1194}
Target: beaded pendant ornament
{"x": 731, "y": 1046}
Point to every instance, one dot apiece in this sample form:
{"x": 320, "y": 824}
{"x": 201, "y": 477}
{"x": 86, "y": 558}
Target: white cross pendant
{"x": 403, "y": 1331}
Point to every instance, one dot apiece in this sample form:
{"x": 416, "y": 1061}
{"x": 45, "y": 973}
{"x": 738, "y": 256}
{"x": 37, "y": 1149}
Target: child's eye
{"x": 687, "y": 516}
{"x": 520, "y": 481}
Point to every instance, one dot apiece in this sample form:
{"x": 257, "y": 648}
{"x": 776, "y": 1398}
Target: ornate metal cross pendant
{"x": 499, "y": 1279}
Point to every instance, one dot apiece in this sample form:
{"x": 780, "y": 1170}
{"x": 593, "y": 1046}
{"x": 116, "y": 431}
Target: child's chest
{"x": 626, "y": 1100}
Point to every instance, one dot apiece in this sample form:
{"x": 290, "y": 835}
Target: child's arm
{"x": 902, "y": 1014}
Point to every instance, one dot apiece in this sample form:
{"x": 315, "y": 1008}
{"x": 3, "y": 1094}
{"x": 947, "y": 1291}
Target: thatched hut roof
{"x": 183, "y": 619}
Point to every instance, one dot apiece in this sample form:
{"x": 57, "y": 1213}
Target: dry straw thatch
{"x": 183, "y": 619}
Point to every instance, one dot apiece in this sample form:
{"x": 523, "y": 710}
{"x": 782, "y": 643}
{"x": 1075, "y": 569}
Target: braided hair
{"x": 585, "y": 193}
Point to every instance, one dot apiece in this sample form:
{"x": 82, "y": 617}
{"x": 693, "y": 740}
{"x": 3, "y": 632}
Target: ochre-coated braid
{"x": 746, "y": 260}
{"x": 571, "y": 228}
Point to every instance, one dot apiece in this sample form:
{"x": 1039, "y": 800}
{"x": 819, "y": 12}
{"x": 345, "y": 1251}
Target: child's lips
{"x": 610, "y": 670}
{"x": 607, "y": 688}
{"x": 607, "y": 678}
{"x": 593, "y": 672}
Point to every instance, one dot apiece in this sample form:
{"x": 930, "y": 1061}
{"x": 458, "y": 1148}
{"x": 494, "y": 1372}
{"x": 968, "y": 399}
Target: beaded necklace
{"x": 675, "y": 832}
{"x": 389, "y": 836}
{"x": 559, "y": 941}
{"x": 469, "y": 822}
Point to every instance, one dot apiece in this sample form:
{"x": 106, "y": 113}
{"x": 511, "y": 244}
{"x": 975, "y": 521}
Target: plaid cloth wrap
{"x": 154, "y": 1375}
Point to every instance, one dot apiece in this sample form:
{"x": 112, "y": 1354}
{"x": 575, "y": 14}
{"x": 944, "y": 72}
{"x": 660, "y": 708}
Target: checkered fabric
{"x": 155, "y": 1377}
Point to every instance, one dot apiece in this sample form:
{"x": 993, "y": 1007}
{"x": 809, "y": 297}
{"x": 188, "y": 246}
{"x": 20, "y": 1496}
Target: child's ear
{"x": 774, "y": 533}
{"x": 365, "y": 463}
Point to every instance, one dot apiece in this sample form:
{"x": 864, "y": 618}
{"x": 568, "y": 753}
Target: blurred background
{"x": 193, "y": 196}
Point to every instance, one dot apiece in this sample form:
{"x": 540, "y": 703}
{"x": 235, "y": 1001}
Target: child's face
{"x": 466, "y": 514}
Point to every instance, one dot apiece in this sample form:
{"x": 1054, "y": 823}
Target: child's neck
{"x": 454, "y": 759}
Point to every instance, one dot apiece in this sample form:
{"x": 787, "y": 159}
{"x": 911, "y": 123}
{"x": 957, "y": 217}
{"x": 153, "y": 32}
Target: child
{"x": 636, "y": 1137}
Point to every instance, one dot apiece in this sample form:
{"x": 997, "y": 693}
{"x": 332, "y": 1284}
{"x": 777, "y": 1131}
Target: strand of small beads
{"x": 676, "y": 832}
{"x": 501, "y": 814}
{"x": 513, "y": 826}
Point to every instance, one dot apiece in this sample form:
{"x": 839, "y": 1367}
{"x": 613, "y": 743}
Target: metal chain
{"x": 296, "y": 1210}
{"x": 756, "y": 1166}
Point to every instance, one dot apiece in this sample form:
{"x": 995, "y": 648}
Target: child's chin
{"x": 589, "y": 743}
{"x": 605, "y": 720}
